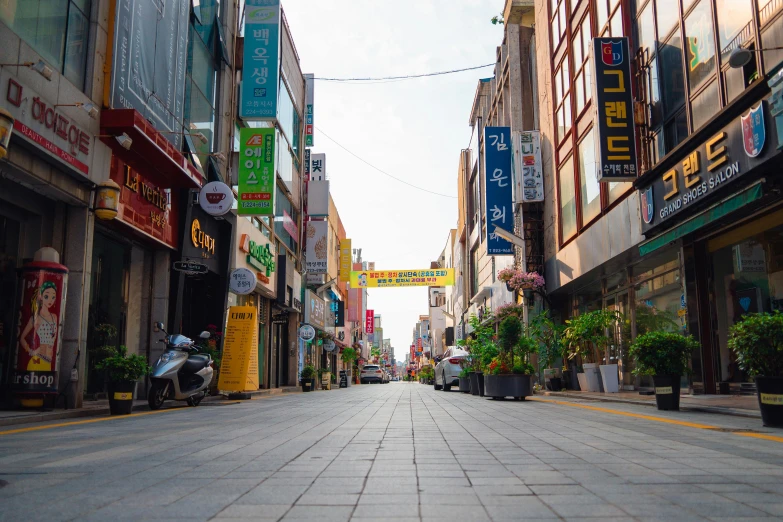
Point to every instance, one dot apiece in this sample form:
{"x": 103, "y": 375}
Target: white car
{"x": 371, "y": 373}
{"x": 448, "y": 369}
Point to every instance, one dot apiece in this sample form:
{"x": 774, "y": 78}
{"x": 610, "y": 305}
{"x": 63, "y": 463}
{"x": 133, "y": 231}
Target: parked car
{"x": 371, "y": 373}
{"x": 386, "y": 376}
{"x": 448, "y": 368}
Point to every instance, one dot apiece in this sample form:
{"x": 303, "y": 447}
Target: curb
{"x": 750, "y": 414}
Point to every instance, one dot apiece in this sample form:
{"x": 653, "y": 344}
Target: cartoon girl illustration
{"x": 44, "y": 323}
{"x": 362, "y": 280}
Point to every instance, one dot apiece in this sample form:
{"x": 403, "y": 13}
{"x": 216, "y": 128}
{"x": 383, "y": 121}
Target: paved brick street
{"x": 399, "y": 451}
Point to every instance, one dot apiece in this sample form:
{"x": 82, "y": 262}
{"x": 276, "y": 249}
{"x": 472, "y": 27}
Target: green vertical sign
{"x": 256, "y": 172}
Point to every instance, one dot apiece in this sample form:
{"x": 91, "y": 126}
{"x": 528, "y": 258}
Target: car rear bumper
{"x": 371, "y": 378}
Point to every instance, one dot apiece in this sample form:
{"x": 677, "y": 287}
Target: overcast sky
{"x": 411, "y": 129}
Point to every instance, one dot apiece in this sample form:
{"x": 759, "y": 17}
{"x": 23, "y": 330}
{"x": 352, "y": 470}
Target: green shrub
{"x": 523, "y": 368}
{"x": 123, "y": 367}
{"x": 757, "y": 340}
{"x": 308, "y": 372}
{"x": 662, "y": 353}
{"x": 465, "y": 373}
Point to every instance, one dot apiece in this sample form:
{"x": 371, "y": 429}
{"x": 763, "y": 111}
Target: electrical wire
{"x": 382, "y": 171}
{"x": 404, "y": 77}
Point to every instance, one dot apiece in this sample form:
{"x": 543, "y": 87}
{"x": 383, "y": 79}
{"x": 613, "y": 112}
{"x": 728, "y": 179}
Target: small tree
{"x": 122, "y": 367}
{"x": 757, "y": 340}
{"x": 550, "y": 338}
{"x": 348, "y": 356}
{"x": 662, "y": 353}
{"x": 586, "y": 335}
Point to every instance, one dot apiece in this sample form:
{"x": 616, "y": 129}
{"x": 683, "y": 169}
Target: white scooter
{"x": 179, "y": 374}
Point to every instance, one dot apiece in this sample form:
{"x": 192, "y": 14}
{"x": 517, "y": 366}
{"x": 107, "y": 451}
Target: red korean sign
{"x": 369, "y": 322}
{"x": 413, "y": 351}
{"x": 39, "y": 334}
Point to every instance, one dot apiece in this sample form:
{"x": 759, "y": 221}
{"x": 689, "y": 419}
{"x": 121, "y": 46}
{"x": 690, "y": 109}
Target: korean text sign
{"x": 345, "y": 260}
{"x": 528, "y": 171}
{"x": 309, "y": 86}
{"x": 398, "y": 278}
{"x": 256, "y": 172}
{"x": 260, "y": 73}
{"x": 615, "y": 143}
{"x": 498, "y": 183}
{"x": 369, "y": 322}
{"x": 317, "y": 246}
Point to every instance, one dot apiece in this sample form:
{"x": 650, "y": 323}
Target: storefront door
{"x": 620, "y": 337}
{"x": 9, "y": 251}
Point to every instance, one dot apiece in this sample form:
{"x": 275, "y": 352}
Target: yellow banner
{"x": 398, "y": 278}
{"x": 345, "y": 260}
{"x": 240, "y": 350}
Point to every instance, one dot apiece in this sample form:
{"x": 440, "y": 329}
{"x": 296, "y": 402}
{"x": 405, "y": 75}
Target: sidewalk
{"x": 97, "y": 408}
{"x": 740, "y": 405}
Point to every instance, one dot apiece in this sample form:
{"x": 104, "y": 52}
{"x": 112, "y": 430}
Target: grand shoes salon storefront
{"x": 712, "y": 216}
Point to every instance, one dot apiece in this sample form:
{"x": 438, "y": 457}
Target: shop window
{"x": 618, "y": 189}
{"x": 200, "y": 88}
{"x": 285, "y": 165}
{"x": 589, "y": 188}
{"x": 658, "y": 301}
{"x": 667, "y": 13}
{"x": 700, "y": 44}
{"x": 567, "y": 199}
{"x": 705, "y": 105}
{"x": 670, "y": 54}
{"x": 57, "y": 29}
{"x": 558, "y": 22}
{"x": 645, "y": 30}
{"x": 735, "y": 24}
{"x": 580, "y": 46}
{"x": 284, "y": 206}
{"x": 289, "y": 119}
{"x": 603, "y": 9}
{"x": 676, "y": 131}
{"x": 563, "y": 100}
{"x": 767, "y": 9}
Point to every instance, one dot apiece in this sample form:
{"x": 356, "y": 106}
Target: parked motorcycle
{"x": 180, "y": 374}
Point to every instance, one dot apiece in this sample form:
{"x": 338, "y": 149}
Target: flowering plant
{"x": 521, "y": 280}
{"x": 498, "y": 366}
{"x": 509, "y": 310}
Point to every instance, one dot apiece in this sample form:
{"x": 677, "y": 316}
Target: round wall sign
{"x": 329, "y": 346}
{"x": 306, "y": 333}
{"x": 216, "y": 198}
{"x": 242, "y": 281}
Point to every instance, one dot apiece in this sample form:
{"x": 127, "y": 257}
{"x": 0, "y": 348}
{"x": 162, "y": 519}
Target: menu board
{"x": 239, "y": 366}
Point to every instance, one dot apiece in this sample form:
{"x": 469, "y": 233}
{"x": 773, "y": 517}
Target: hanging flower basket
{"x": 521, "y": 280}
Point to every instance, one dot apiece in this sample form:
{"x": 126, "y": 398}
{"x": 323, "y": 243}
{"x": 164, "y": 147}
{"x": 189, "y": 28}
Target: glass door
{"x": 620, "y": 337}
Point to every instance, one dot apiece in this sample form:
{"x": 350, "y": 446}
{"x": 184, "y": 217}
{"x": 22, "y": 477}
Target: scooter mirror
{"x": 204, "y": 335}
{"x": 158, "y": 326}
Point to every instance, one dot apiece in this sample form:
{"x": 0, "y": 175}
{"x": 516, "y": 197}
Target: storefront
{"x": 285, "y": 319}
{"x": 255, "y": 252}
{"x": 712, "y": 214}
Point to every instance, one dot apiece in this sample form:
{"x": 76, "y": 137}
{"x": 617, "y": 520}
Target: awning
{"x": 150, "y": 150}
{"x": 715, "y": 212}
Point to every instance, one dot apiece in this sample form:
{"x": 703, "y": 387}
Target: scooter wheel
{"x": 156, "y": 396}
{"x": 195, "y": 400}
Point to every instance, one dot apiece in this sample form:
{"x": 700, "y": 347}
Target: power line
{"x": 405, "y": 77}
{"x": 382, "y": 171}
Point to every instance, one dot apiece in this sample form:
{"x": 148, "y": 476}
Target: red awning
{"x": 151, "y": 151}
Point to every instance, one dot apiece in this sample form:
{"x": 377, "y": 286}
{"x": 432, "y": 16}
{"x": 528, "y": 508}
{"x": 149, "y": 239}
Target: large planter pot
{"x": 570, "y": 381}
{"x": 582, "y": 381}
{"x": 592, "y": 373}
{"x": 770, "y": 391}
{"x": 121, "y": 396}
{"x": 464, "y": 384}
{"x": 555, "y": 384}
{"x": 511, "y": 385}
{"x": 609, "y": 377}
{"x": 474, "y": 387}
{"x": 667, "y": 391}
{"x": 308, "y": 385}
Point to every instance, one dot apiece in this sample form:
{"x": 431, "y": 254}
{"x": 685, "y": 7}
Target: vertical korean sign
{"x": 309, "y": 85}
{"x": 256, "y": 172}
{"x": 615, "y": 144}
{"x": 345, "y": 260}
{"x": 528, "y": 172}
{"x": 369, "y": 322}
{"x": 497, "y": 171}
{"x": 260, "y": 73}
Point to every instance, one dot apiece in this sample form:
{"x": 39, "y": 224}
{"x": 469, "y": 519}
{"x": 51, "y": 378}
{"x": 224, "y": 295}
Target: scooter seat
{"x": 195, "y": 363}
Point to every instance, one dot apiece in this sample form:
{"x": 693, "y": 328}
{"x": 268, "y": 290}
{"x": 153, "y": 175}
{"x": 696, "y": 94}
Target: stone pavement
{"x": 396, "y": 451}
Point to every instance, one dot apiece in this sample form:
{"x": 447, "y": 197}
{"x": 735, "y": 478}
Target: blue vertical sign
{"x": 261, "y": 64}
{"x": 497, "y": 188}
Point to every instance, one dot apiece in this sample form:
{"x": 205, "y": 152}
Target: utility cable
{"x": 404, "y": 77}
{"x": 382, "y": 171}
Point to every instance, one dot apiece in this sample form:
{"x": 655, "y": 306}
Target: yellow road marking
{"x": 696, "y": 425}
{"x": 88, "y": 421}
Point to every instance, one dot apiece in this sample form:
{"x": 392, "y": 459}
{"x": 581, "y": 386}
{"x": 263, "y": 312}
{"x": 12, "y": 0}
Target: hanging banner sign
{"x": 369, "y": 322}
{"x": 317, "y": 167}
{"x": 615, "y": 144}
{"x": 528, "y": 171}
{"x": 239, "y": 365}
{"x": 260, "y": 57}
{"x": 498, "y": 199}
{"x": 317, "y": 246}
{"x": 398, "y": 278}
{"x": 309, "y": 87}
{"x": 345, "y": 260}
{"x": 256, "y": 172}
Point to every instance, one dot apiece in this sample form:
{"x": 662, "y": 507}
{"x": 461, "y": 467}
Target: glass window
{"x": 667, "y": 13}
{"x": 602, "y": 13}
{"x": 646, "y": 30}
{"x": 705, "y": 105}
{"x": 75, "y": 64}
{"x": 734, "y": 21}
{"x": 200, "y": 67}
{"x": 285, "y": 166}
{"x": 589, "y": 188}
{"x": 676, "y": 131}
{"x": 283, "y": 206}
{"x": 617, "y": 189}
{"x": 673, "y": 87}
{"x": 289, "y": 117}
{"x": 616, "y": 25}
{"x": 701, "y": 45}
{"x": 567, "y": 199}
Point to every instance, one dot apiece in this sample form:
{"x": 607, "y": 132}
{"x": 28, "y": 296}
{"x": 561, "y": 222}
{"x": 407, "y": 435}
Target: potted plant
{"x": 586, "y": 337}
{"x": 482, "y": 349}
{"x": 122, "y": 372}
{"x": 464, "y": 380}
{"x": 308, "y": 378}
{"x": 211, "y": 346}
{"x": 325, "y": 378}
{"x": 521, "y": 280}
{"x": 509, "y": 374}
{"x": 550, "y": 338}
{"x": 757, "y": 341}
{"x": 664, "y": 356}
{"x": 348, "y": 357}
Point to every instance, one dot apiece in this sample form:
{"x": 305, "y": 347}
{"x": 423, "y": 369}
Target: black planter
{"x": 474, "y": 386}
{"x": 480, "y": 376}
{"x": 121, "y": 397}
{"x": 555, "y": 384}
{"x": 771, "y": 400}
{"x": 464, "y": 384}
{"x": 308, "y": 385}
{"x": 511, "y": 385}
{"x": 508, "y": 287}
{"x": 667, "y": 391}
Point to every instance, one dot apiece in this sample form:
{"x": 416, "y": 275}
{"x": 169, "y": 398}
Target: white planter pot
{"x": 592, "y": 373}
{"x": 609, "y": 378}
{"x": 582, "y": 378}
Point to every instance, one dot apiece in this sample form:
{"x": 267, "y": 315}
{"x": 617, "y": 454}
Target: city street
{"x": 400, "y": 450}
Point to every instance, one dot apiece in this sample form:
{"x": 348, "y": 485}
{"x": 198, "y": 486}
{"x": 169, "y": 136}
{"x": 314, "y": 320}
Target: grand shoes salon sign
{"x": 721, "y": 159}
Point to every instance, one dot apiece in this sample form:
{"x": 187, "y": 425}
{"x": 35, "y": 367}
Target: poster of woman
{"x": 40, "y": 327}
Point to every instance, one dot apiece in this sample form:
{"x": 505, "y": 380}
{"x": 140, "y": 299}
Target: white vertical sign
{"x": 528, "y": 171}
{"x": 317, "y": 167}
